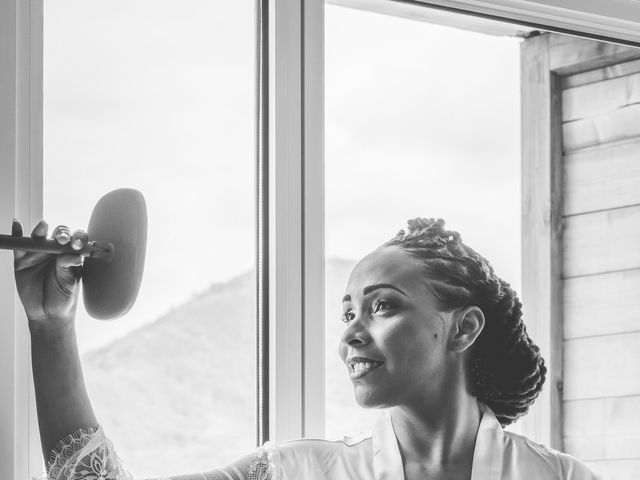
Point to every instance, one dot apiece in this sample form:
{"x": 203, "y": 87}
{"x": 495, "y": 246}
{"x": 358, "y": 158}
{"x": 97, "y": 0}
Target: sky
{"x": 147, "y": 95}
{"x": 421, "y": 120}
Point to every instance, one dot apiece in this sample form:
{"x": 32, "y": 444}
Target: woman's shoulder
{"x": 318, "y": 446}
{"x": 524, "y": 451}
{"x": 316, "y": 458}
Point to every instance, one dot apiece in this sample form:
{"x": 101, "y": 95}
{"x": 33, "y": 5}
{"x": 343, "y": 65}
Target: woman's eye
{"x": 379, "y": 305}
{"x": 347, "y": 317}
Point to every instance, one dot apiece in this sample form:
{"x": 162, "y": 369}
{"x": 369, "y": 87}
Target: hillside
{"x": 177, "y": 395}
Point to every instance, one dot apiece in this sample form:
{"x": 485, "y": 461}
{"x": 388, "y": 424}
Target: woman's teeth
{"x": 360, "y": 369}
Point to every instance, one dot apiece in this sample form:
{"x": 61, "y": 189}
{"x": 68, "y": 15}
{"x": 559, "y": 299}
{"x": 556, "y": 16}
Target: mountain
{"x": 178, "y": 395}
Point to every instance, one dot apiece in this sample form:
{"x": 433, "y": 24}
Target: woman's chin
{"x": 368, "y": 398}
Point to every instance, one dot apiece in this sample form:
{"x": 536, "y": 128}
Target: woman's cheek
{"x": 411, "y": 340}
{"x": 391, "y": 335}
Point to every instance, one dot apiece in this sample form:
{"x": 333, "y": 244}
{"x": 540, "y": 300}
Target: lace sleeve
{"x": 87, "y": 454}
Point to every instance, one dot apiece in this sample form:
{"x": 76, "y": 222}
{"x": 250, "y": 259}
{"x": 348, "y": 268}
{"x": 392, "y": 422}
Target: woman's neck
{"x": 438, "y": 433}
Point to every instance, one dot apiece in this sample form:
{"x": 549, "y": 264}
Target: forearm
{"x": 61, "y": 396}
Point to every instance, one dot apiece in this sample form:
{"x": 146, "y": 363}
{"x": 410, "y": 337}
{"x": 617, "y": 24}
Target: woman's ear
{"x": 468, "y": 325}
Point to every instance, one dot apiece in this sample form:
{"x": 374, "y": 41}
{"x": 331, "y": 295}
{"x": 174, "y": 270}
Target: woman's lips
{"x": 359, "y": 367}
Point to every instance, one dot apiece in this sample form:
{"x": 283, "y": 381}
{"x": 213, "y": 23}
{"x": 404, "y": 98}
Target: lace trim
{"x": 267, "y": 463}
{"x": 67, "y": 446}
{"x": 87, "y": 454}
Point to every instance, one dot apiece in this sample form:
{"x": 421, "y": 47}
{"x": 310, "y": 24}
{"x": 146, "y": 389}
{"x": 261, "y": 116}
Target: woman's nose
{"x": 356, "y": 334}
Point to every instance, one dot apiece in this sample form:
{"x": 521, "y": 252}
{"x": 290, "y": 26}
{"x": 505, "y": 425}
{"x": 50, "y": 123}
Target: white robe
{"x": 498, "y": 455}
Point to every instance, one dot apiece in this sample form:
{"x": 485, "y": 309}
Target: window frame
{"x": 589, "y": 18}
{"x": 21, "y": 24}
{"x": 291, "y": 127}
{"x": 294, "y": 220}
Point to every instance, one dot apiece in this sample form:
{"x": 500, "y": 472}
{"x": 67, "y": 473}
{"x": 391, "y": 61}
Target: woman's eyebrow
{"x": 371, "y": 288}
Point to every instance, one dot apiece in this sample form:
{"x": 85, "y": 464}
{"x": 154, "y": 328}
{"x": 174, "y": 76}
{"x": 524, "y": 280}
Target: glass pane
{"x": 422, "y": 120}
{"x": 159, "y": 96}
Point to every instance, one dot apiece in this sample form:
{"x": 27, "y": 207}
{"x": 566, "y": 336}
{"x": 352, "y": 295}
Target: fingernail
{"x": 79, "y": 238}
{"x": 62, "y": 234}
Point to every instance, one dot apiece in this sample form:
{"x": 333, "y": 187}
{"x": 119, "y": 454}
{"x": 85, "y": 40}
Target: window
{"x": 295, "y": 216}
{"x": 413, "y": 111}
{"x": 407, "y": 129}
{"x": 166, "y": 106}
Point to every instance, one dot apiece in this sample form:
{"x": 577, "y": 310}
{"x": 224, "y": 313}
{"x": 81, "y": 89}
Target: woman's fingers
{"x": 31, "y": 259}
{"x": 24, "y": 260}
{"x": 79, "y": 239}
{"x": 16, "y": 231}
{"x": 40, "y": 230}
{"x": 16, "y": 228}
{"x": 61, "y": 234}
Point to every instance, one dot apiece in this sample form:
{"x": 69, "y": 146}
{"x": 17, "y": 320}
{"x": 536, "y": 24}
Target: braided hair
{"x": 505, "y": 368}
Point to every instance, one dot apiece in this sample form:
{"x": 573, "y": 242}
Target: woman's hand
{"x": 48, "y": 284}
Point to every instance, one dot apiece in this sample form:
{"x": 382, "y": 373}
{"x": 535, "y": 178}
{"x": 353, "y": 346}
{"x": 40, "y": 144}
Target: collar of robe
{"x": 487, "y": 454}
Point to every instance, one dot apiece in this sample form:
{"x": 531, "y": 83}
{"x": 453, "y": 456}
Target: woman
{"x": 431, "y": 334}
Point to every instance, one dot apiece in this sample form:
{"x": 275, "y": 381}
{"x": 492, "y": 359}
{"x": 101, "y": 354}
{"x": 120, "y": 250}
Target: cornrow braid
{"x": 505, "y": 368}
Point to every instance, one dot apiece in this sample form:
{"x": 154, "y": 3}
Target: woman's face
{"x": 395, "y": 341}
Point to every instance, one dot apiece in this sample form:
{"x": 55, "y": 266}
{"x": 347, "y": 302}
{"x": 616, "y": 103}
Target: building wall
{"x": 601, "y": 267}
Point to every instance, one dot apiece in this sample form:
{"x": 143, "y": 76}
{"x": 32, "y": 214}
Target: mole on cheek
{"x": 435, "y": 335}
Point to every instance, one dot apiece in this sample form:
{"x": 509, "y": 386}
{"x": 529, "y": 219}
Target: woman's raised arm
{"x": 73, "y": 443}
{"x": 48, "y": 286}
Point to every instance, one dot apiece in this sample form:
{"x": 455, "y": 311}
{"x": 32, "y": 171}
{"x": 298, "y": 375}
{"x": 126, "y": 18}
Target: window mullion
{"x": 296, "y": 235}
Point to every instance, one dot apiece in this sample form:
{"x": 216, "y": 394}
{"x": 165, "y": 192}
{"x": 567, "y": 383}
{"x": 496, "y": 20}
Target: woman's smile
{"x": 361, "y": 366}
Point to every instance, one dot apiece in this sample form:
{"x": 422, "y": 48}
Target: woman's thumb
{"x": 68, "y": 269}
